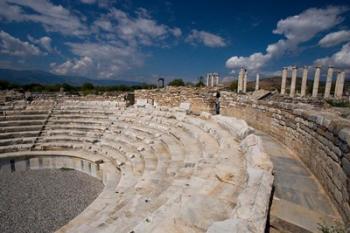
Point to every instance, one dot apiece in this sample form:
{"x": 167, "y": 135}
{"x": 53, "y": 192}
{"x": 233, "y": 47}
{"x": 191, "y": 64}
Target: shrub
{"x": 177, "y": 83}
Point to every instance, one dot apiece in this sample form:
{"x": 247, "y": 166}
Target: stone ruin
{"x": 169, "y": 165}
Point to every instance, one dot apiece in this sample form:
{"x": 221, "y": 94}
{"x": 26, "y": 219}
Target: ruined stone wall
{"x": 321, "y": 139}
{"x": 201, "y": 99}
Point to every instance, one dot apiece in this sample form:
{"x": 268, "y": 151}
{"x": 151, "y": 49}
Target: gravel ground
{"x": 43, "y": 200}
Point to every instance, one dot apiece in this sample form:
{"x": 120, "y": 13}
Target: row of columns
{"x": 242, "y": 81}
{"x": 212, "y": 79}
{"x": 339, "y": 86}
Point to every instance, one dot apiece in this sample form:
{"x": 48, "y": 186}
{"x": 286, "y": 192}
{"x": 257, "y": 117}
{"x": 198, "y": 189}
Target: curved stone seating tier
{"x": 168, "y": 171}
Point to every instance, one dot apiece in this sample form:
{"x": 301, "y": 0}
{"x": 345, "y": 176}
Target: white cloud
{"x": 52, "y": 17}
{"x": 44, "y": 42}
{"x": 74, "y": 67}
{"x": 206, "y": 38}
{"x": 106, "y": 47}
{"x": 142, "y": 29}
{"x": 335, "y": 38}
{"x": 12, "y": 46}
{"x": 297, "y": 30}
{"x": 88, "y": 1}
{"x": 340, "y": 59}
{"x": 106, "y": 60}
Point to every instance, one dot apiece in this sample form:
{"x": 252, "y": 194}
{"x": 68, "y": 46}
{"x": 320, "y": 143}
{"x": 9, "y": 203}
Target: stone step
{"x": 24, "y": 134}
{"x": 15, "y": 148}
{"x": 22, "y": 117}
{"x": 14, "y": 141}
{"x": 21, "y": 123}
{"x": 18, "y": 129}
{"x": 288, "y": 217}
{"x": 56, "y": 121}
{"x": 26, "y": 112}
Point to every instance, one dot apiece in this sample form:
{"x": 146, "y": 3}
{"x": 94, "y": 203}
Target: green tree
{"x": 177, "y": 83}
{"x": 4, "y": 85}
{"x": 234, "y": 85}
{"x": 200, "y": 82}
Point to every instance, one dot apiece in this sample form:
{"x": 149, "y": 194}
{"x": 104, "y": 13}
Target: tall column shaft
{"x": 240, "y": 80}
{"x": 257, "y": 82}
{"x": 245, "y": 82}
{"x": 327, "y": 90}
{"x": 339, "y": 85}
{"x": 217, "y": 80}
{"x": 316, "y": 81}
{"x": 207, "y": 80}
{"x": 284, "y": 80}
{"x": 304, "y": 82}
{"x": 212, "y": 80}
{"x": 294, "y": 80}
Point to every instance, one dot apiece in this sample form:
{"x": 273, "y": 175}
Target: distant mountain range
{"x": 22, "y": 77}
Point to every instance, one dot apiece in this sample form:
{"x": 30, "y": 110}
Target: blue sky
{"x": 142, "y": 40}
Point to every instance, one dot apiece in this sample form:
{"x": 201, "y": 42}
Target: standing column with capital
{"x": 339, "y": 85}
{"x": 284, "y": 80}
{"x": 257, "y": 82}
{"x": 240, "y": 80}
{"x": 245, "y": 81}
{"x": 294, "y": 80}
{"x": 304, "y": 82}
{"x": 327, "y": 90}
{"x": 316, "y": 81}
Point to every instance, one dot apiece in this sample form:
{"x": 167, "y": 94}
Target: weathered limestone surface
{"x": 316, "y": 81}
{"x": 201, "y": 99}
{"x": 321, "y": 139}
{"x": 250, "y": 213}
{"x": 328, "y": 87}
{"x": 304, "y": 82}
{"x": 294, "y": 80}
{"x": 284, "y": 80}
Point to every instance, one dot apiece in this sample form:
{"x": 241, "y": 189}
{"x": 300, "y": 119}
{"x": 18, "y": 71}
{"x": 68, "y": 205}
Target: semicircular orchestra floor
{"x": 35, "y": 201}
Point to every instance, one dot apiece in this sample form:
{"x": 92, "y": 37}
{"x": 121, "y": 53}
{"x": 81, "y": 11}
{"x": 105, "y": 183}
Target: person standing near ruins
{"x": 217, "y": 102}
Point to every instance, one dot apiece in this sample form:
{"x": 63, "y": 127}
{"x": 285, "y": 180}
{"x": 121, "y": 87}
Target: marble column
{"x": 294, "y": 80}
{"x": 327, "y": 90}
{"x": 245, "y": 81}
{"x": 207, "y": 80}
{"x": 284, "y": 80}
{"x": 217, "y": 80}
{"x": 212, "y": 79}
{"x": 240, "y": 80}
{"x": 316, "y": 81}
{"x": 339, "y": 85}
{"x": 304, "y": 82}
{"x": 257, "y": 82}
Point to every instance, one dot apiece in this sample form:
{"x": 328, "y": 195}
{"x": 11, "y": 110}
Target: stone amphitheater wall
{"x": 22, "y": 162}
{"x": 320, "y": 139}
{"x": 201, "y": 99}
